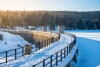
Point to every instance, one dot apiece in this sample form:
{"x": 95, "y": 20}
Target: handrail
{"x": 62, "y": 55}
{"x": 15, "y": 53}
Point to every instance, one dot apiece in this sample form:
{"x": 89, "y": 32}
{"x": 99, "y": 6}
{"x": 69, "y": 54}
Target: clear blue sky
{"x": 71, "y": 5}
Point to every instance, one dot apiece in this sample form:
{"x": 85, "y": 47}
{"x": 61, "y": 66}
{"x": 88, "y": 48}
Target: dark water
{"x": 89, "y": 53}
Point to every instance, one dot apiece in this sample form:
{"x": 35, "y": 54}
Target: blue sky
{"x": 70, "y": 5}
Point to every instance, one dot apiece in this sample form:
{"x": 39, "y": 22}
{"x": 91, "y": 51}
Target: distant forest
{"x": 72, "y": 20}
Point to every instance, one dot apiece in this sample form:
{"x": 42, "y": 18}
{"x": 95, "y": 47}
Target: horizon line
{"x": 53, "y": 10}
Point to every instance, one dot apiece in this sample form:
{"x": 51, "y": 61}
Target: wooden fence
{"x": 58, "y": 56}
{"x": 19, "y": 52}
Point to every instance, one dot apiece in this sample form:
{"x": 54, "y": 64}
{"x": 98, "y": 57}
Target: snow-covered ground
{"x": 88, "y": 42}
{"x": 29, "y": 60}
{"x": 12, "y": 41}
{"x": 68, "y": 58}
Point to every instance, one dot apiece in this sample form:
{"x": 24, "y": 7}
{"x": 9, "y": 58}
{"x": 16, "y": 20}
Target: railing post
{"x": 71, "y": 46}
{"x": 15, "y": 54}
{"x": 39, "y": 45}
{"x": 67, "y": 50}
{"x": 44, "y": 63}
{"x": 22, "y": 51}
{"x": 56, "y": 58}
{"x": 36, "y": 46}
{"x": 75, "y": 41}
{"x": 33, "y": 66}
{"x": 6, "y": 56}
{"x": 64, "y": 52}
{"x": 77, "y": 51}
{"x": 50, "y": 40}
{"x": 42, "y": 44}
{"x": 47, "y": 42}
{"x": 51, "y": 61}
{"x": 68, "y": 65}
{"x": 61, "y": 55}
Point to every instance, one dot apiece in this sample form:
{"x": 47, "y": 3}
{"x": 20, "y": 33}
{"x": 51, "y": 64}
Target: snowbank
{"x": 28, "y": 61}
{"x": 98, "y": 66}
{"x": 11, "y": 41}
{"x": 68, "y": 58}
{"x": 88, "y": 42}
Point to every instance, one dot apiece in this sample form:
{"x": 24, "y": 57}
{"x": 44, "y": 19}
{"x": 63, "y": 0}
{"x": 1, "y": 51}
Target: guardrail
{"x": 58, "y": 56}
{"x": 19, "y": 52}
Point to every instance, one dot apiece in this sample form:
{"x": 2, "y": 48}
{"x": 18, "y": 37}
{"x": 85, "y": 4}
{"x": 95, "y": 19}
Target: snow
{"x": 92, "y": 34}
{"x": 83, "y": 31}
{"x": 88, "y": 42}
{"x": 29, "y": 60}
{"x": 98, "y": 66}
{"x": 68, "y": 58}
{"x": 12, "y": 41}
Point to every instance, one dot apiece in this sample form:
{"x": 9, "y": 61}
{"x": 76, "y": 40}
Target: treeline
{"x": 70, "y": 19}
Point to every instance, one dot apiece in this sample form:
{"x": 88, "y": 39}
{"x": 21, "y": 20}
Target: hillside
{"x": 85, "y": 20}
{"x": 11, "y": 41}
